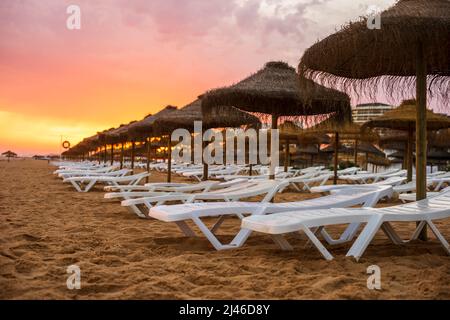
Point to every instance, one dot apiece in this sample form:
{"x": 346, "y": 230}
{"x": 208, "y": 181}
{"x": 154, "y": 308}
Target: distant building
{"x": 368, "y": 111}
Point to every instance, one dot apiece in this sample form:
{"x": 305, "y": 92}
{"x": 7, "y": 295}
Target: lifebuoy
{"x": 66, "y": 144}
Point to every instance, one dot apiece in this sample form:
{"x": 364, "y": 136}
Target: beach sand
{"x": 45, "y": 226}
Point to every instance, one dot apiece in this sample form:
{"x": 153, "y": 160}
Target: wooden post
{"x": 421, "y": 128}
{"x": 105, "y": 155}
{"x": 367, "y": 161}
{"x": 121, "y": 155}
{"x": 409, "y": 155}
{"x": 286, "y": 155}
{"x": 112, "y": 153}
{"x": 148, "y": 157}
{"x": 405, "y": 158}
{"x": 133, "y": 146}
{"x": 169, "y": 159}
{"x": 356, "y": 152}
{"x": 336, "y": 156}
{"x": 274, "y": 125}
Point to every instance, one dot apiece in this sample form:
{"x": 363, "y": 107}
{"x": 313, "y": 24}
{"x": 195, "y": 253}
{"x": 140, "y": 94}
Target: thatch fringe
{"x": 358, "y": 60}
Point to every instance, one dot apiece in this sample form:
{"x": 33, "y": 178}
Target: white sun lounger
{"x": 313, "y": 221}
{"x": 306, "y": 182}
{"x": 179, "y": 214}
{"x": 84, "y": 184}
{"x": 101, "y": 168}
{"x": 116, "y": 173}
{"x": 408, "y": 197}
{"x": 236, "y": 192}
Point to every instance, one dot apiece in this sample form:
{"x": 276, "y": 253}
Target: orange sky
{"x": 131, "y": 58}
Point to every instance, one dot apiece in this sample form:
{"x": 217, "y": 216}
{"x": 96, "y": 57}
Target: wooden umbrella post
{"x": 409, "y": 155}
{"x": 133, "y": 146}
{"x": 169, "y": 159}
{"x": 105, "y": 154}
{"x": 336, "y": 156}
{"x": 274, "y": 126}
{"x": 421, "y": 129}
{"x": 121, "y": 155}
{"x": 286, "y": 155}
{"x": 356, "y": 152}
{"x": 112, "y": 154}
{"x": 148, "y": 157}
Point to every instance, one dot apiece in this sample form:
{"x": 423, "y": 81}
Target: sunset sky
{"x": 132, "y": 57}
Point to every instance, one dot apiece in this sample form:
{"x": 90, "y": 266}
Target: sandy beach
{"x": 46, "y": 226}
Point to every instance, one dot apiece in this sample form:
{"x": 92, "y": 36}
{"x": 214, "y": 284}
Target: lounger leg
{"x": 365, "y": 238}
{"x": 185, "y": 228}
{"x": 135, "y": 209}
{"x": 295, "y": 186}
{"x": 439, "y": 236}
{"x": 218, "y": 224}
{"x": 282, "y": 242}
{"x": 90, "y": 185}
{"x": 209, "y": 235}
{"x": 76, "y": 186}
{"x": 418, "y": 230}
{"x": 391, "y": 234}
{"x": 240, "y": 238}
{"x": 346, "y": 236}
{"x": 312, "y": 237}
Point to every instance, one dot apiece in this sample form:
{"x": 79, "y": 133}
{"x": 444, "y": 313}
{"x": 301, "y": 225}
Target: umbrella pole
{"x": 286, "y": 155}
{"x": 121, "y": 156}
{"x": 112, "y": 154}
{"x": 409, "y": 155}
{"x": 274, "y": 125}
{"x": 148, "y": 158}
{"x": 421, "y": 129}
{"x": 356, "y": 152}
{"x": 205, "y": 165}
{"x": 336, "y": 156}
{"x": 367, "y": 161}
{"x": 105, "y": 154}
{"x": 133, "y": 145}
{"x": 169, "y": 160}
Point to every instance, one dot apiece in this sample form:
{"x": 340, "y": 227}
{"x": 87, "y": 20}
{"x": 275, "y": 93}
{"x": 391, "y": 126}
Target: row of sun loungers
{"x": 181, "y": 203}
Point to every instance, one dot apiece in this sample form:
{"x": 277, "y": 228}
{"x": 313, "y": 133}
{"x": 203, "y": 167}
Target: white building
{"x": 368, "y": 111}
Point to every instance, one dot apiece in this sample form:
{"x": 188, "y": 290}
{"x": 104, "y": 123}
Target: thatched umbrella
{"x": 185, "y": 117}
{"x": 291, "y": 132}
{"x": 144, "y": 129}
{"x": 413, "y": 41}
{"x": 274, "y": 90}
{"x": 343, "y": 130}
{"x": 404, "y": 118}
{"x": 120, "y": 136}
{"x": 9, "y": 154}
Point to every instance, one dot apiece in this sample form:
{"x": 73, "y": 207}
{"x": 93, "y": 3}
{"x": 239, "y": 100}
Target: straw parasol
{"x": 404, "y": 118}
{"x": 412, "y": 43}
{"x": 343, "y": 130}
{"x": 274, "y": 90}
{"x": 184, "y": 118}
{"x": 143, "y": 130}
{"x": 291, "y": 132}
{"x": 9, "y": 154}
